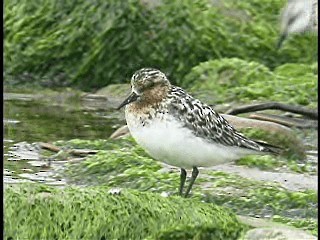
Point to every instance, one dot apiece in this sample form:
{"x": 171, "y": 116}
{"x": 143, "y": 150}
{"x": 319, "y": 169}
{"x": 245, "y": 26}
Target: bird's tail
{"x": 270, "y": 148}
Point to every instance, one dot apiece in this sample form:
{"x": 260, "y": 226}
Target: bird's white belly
{"x": 168, "y": 141}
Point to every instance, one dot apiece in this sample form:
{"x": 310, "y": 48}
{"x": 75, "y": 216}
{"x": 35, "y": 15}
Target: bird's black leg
{"x": 281, "y": 40}
{"x": 183, "y": 176}
{"x": 194, "y": 175}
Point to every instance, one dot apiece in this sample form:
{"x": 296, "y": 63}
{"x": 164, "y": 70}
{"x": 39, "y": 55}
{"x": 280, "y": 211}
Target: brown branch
{"x": 49, "y": 146}
{"x": 312, "y": 114}
{"x": 82, "y": 152}
{"x": 74, "y": 152}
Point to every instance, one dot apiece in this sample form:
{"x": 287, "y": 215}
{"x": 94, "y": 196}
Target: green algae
{"x": 195, "y": 232}
{"x": 262, "y": 162}
{"x": 128, "y": 166}
{"x": 36, "y": 211}
{"x": 256, "y": 198}
{"x": 236, "y": 80}
{"x": 307, "y": 224}
{"x": 57, "y": 44}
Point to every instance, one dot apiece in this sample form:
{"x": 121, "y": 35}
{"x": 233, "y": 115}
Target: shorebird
{"x": 298, "y": 16}
{"x": 179, "y": 130}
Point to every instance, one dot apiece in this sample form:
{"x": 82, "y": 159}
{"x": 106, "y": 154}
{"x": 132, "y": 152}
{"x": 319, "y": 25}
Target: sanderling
{"x": 298, "y": 16}
{"x": 175, "y": 128}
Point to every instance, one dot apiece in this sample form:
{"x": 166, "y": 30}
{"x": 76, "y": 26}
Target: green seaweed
{"x": 256, "y": 198}
{"x": 128, "y": 167}
{"x": 36, "y": 211}
{"x": 241, "y": 81}
{"x": 307, "y": 224}
{"x": 195, "y": 232}
{"x": 92, "y": 44}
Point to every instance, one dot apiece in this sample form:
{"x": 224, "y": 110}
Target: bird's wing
{"x": 207, "y": 123}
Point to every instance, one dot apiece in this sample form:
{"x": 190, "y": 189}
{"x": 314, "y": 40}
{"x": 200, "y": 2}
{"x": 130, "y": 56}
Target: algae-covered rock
{"x": 126, "y": 166}
{"x": 233, "y": 79}
{"x": 277, "y": 234}
{"x": 107, "y": 98}
{"x": 115, "y": 91}
{"x": 195, "y": 232}
{"x": 123, "y": 164}
{"x": 266, "y": 229}
{"x": 57, "y": 43}
{"x": 39, "y": 212}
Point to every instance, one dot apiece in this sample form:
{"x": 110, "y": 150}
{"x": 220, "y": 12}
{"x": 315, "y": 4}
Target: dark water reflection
{"x": 31, "y": 121}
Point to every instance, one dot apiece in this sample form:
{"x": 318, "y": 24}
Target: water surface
{"x": 27, "y": 122}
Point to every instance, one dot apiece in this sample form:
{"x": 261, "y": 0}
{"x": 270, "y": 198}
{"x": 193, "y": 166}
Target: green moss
{"x": 195, "y": 232}
{"x": 233, "y": 79}
{"x": 297, "y": 70}
{"x": 249, "y": 197}
{"x": 262, "y": 162}
{"x": 39, "y": 212}
{"x": 308, "y": 224}
{"x": 274, "y": 164}
{"x": 56, "y": 43}
{"x": 125, "y": 164}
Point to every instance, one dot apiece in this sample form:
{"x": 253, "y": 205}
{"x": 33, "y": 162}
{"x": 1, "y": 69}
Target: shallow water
{"x": 27, "y": 122}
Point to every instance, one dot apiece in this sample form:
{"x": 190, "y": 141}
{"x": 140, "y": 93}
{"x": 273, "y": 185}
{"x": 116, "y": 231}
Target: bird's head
{"x": 148, "y": 85}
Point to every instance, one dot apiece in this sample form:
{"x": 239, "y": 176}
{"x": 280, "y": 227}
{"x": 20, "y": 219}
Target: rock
{"x": 106, "y": 98}
{"x": 115, "y": 91}
{"x": 290, "y": 181}
{"x": 268, "y": 230}
{"x": 277, "y": 233}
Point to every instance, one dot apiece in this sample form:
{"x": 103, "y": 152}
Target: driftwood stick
{"x": 82, "y": 152}
{"x": 74, "y": 152}
{"x": 287, "y": 121}
{"x": 313, "y": 114}
{"x": 49, "y": 147}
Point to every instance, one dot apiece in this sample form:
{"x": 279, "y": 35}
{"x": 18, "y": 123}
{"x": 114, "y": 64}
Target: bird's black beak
{"x": 132, "y": 97}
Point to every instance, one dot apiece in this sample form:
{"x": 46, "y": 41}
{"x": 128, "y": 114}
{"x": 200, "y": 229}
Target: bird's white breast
{"x": 168, "y": 141}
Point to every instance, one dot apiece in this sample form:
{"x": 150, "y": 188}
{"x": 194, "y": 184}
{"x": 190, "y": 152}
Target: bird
{"x": 298, "y": 16}
{"x": 180, "y": 130}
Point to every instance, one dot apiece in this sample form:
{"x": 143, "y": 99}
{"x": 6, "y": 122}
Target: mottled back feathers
{"x": 207, "y": 123}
